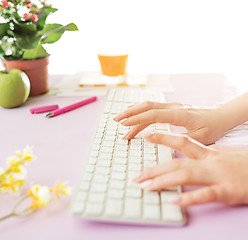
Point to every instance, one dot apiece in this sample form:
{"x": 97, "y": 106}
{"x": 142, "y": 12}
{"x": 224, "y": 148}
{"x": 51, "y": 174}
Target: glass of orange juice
{"x": 113, "y": 66}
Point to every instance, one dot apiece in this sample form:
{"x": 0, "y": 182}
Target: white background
{"x": 161, "y": 36}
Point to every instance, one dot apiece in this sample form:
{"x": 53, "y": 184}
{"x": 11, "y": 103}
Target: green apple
{"x": 14, "y": 88}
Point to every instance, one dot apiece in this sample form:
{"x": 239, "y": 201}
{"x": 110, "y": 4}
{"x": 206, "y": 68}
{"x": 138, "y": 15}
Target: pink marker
{"x": 71, "y": 107}
{"x": 42, "y": 109}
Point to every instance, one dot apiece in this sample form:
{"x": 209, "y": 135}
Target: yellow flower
{"x": 61, "y": 188}
{"x": 40, "y": 196}
{"x": 26, "y": 154}
{"x": 12, "y": 184}
{"x": 14, "y": 165}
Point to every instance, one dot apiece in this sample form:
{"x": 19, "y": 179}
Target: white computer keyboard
{"x": 106, "y": 191}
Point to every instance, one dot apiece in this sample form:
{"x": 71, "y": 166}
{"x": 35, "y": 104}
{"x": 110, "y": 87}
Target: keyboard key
{"x": 108, "y": 144}
{"x": 132, "y": 208}
{"x": 150, "y": 157}
{"x": 109, "y": 138}
{"x": 135, "y": 153}
{"x": 148, "y": 164}
{"x": 122, "y": 154}
{"x": 96, "y": 197}
{"x": 122, "y": 141}
{"x": 101, "y": 178}
{"x": 96, "y": 147}
{"x": 150, "y": 151}
{"x": 134, "y": 166}
{"x": 87, "y": 177}
{"x": 97, "y": 187}
{"x": 106, "y": 156}
{"x": 84, "y": 186}
{"x": 135, "y": 147}
{"x": 94, "y": 153}
{"x": 120, "y": 160}
{"x": 118, "y": 175}
{"x": 106, "y": 150}
{"x": 78, "y": 207}
{"x": 119, "y": 168}
{"x": 171, "y": 212}
{"x": 97, "y": 141}
{"x": 110, "y": 132}
{"x": 151, "y": 197}
{"x": 167, "y": 196}
{"x": 121, "y": 148}
{"x": 113, "y": 208}
{"x": 136, "y": 142}
{"x": 117, "y": 184}
{"x": 134, "y": 160}
{"x": 151, "y": 212}
{"x": 81, "y": 196}
{"x": 133, "y": 192}
{"x": 94, "y": 209}
{"x": 104, "y": 163}
{"x": 90, "y": 168}
{"x": 116, "y": 194}
{"x": 102, "y": 170}
{"x": 92, "y": 160}
{"x": 131, "y": 184}
{"x": 132, "y": 174}
{"x": 164, "y": 154}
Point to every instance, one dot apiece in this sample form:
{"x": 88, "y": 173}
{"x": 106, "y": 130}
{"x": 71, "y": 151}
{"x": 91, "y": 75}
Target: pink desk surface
{"x": 61, "y": 145}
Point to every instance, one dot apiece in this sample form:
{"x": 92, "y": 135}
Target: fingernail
{"x": 147, "y": 134}
{"x": 172, "y": 198}
{"x": 135, "y": 177}
{"x": 146, "y": 184}
{"x": 125, "y": 137}
{"x": 115, "y": 118}
{"x": 123, "y": 121}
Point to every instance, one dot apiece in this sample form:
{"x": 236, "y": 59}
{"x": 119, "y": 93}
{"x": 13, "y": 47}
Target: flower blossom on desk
{"x": 61, "y": 188}
{"x": 42, "y": 195}
{"x": 13, "y": 178}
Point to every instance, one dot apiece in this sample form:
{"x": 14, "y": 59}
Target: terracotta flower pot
{"x": 37, "y": 72}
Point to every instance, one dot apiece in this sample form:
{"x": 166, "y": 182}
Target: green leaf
{"x": 35, "y": 53}
{"x": 27, "y": 41}
{"x": 53, "y": 32}
{"x": 71, "y": 27}
{"x": 24, "y": 27}
{"x": 1, "y": 51}
{"x": 3, "y": 29}
{"x": 43, "y": 14}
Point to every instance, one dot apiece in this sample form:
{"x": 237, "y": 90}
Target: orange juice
{"x": 113, "y": 65}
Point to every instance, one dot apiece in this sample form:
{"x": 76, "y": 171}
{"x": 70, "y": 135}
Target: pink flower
{"x": 5, "y": 3}
{"x": 29, "y": 5}
{"x": 35, "y": 17}
{"x": 26, "y": 16}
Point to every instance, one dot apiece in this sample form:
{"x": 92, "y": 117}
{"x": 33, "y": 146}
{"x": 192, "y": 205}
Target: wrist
{"x": 229, "y": 116}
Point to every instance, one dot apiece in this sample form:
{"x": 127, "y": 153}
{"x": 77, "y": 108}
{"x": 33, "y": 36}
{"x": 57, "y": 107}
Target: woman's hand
{"x": 225, "y": 173}
{"x": 205, "y": 125}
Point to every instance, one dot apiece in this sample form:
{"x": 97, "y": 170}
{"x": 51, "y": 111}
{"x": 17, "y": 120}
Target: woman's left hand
{"x": 225, "y": 173}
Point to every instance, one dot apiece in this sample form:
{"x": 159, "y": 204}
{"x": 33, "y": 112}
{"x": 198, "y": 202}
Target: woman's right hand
{"x": 203, "y": 124}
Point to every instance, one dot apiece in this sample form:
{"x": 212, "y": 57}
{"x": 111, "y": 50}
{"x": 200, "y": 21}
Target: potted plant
{"x": 22, "y": 36}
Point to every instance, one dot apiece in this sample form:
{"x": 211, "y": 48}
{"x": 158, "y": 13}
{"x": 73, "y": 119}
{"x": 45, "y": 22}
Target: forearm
{"x": 234, "y": 111}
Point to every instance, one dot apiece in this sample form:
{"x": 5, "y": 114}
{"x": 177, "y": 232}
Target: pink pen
{"x": 71, "y": 107}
